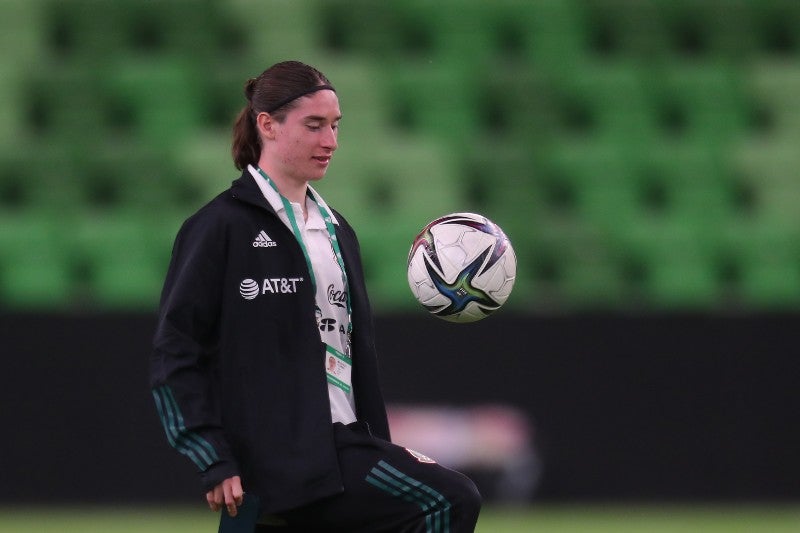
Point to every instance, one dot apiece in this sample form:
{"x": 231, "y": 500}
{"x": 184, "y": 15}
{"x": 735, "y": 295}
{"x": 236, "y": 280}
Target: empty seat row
{"x": 109, "y": 261}
{"x": 549, "y": 31}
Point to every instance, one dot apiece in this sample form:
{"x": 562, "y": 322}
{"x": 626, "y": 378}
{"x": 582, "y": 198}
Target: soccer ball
{"x": 461, "y": 267}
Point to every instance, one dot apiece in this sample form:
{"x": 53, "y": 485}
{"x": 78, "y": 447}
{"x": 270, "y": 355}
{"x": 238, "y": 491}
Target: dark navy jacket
{"x": 237, "y": 369}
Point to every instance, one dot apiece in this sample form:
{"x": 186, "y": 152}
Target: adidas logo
{"x": 263, "y": 240}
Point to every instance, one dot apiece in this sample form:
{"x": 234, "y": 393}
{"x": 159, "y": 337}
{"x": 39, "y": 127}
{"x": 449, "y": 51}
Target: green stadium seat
{"x": 385, "y": 257}
{"x": 774, "y": 86}
{"x": 696, "y": 183}
{"x": 135, "y": 177}
{"x": 92, "y": 29}
{"x": 77, "y": 105}
{"x": 34, "y": 270}
{"x": 84, "y": 28}
{"x": 573, "y": 266}
{"x": 770, "y": 169}
{"x": 187, "y": 28}
{"x": 11, "y": 119}
{"x": 372, "y": 182}
{"x": 43, "y": 178}
{"x": 614, "y": 29}
{"x": 362, "y": 98}
{"x": 164, "y": 97}
{"x": 125, "y": 257}
{"x": 677, "y": 260}
{"x": 516, "y": 103}
{"x": 776, "y": 25}
{"x": 555, "y": 37}
{"x": 771, "y": 284}
{"x": 713, "y": 29}
{"x": 275, "y": 31}
{"x": 20, "y": 29}
{"x": 451, "y": 32}
{"x": 592, "y": 180}
{"x": 432, "y": 99}
{"x": 606, "y": 101}
{"x": 700, "y": 103}
{"x": 20, "y": 32}
{"x": 204, "y": 168}
{"x": 683, "y": 284}
{"x": 767, "y": 258}
{"x": 502, "y": 178}
{"x": 57, "y": 181}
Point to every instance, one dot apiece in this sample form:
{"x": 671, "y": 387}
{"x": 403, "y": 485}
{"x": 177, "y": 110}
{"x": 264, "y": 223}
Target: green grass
{"x": 642, "y": 519}
{"x": 539, "y": 519}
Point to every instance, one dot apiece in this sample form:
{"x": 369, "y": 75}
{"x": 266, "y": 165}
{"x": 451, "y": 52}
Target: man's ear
{"x": 266, "y": 125}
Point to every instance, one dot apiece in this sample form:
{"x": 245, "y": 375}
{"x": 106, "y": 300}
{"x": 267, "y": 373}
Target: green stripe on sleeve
{"x": 189, "y": 443}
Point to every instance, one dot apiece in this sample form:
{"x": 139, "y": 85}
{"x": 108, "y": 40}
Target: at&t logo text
{"x": 250, "y": 288}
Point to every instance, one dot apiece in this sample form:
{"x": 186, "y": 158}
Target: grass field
{"x": 544, "y": 519}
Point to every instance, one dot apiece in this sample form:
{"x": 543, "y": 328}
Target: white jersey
{"x": 331, "y": 294}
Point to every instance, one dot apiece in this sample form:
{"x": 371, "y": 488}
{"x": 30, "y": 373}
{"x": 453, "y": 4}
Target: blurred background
{"x": 641, "y": 155}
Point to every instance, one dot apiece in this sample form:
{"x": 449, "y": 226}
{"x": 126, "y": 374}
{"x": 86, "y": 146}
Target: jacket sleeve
{"x": 182, "y": 376}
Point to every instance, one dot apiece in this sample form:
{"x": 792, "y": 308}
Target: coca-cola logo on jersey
{"x": 337, "y": 298}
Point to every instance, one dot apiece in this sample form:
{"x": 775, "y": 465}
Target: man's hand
{"x": 228, "y": 494}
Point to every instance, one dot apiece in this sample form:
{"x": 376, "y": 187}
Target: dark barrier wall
{"x": 623, "y": 407}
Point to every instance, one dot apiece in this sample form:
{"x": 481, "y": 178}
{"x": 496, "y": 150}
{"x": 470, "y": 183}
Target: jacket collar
{"x": 244, "y": 188}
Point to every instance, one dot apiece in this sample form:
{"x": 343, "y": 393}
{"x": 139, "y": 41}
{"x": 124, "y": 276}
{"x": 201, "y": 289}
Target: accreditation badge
{"x": 339, "y": 368}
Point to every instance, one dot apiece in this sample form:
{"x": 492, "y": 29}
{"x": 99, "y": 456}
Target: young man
{"x": 264, "y": 370}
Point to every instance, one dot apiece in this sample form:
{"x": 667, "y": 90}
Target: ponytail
{"x": 246, "y": 147}
{"x": 274, "y": 91}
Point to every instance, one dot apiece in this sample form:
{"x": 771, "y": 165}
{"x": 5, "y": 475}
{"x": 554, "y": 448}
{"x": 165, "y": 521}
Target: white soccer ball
{"x": 461, "y": 267}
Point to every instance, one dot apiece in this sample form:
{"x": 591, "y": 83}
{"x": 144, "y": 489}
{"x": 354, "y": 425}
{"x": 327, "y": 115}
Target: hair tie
{"x": 249, "y": 88}
{"x": 295, "y": 96}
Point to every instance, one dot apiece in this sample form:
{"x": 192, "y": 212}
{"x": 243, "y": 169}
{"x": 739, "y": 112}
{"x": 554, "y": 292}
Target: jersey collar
{"x": 274, "y": 198}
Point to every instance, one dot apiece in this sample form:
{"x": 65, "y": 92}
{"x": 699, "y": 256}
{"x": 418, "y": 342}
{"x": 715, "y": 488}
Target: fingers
{"x": 229, "y": 494}
{"x": 214, "y": 498}
{"x": 232, "y": 488}
{"x": 236, "y": 490}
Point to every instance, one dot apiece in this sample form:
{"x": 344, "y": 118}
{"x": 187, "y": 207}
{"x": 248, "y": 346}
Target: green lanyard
{"x": 326, "y": 216}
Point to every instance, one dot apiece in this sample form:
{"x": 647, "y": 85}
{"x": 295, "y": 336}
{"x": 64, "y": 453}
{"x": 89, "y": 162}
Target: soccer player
{"x": 264, "y": 369}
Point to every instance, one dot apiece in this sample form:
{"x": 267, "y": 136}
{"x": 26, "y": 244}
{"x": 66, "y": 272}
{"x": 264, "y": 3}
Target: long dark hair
{"x": 270, "y": 92}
